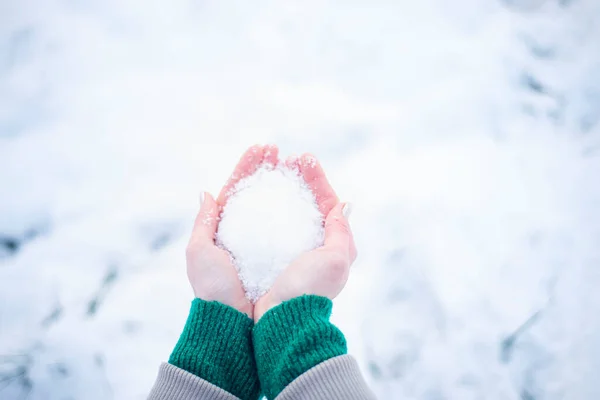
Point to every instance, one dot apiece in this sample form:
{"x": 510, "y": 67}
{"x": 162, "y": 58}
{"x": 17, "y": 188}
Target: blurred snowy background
{"x": 466, "y": 133}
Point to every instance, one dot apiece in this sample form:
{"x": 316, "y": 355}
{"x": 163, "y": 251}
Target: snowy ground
{"x": 466, "y": 133}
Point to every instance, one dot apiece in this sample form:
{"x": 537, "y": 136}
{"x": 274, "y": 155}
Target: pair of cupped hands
{"x": 322, "y": 271}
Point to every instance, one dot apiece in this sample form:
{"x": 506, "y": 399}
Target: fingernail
{"x": 347, "y": 210}
{"x": 201, "y": 198}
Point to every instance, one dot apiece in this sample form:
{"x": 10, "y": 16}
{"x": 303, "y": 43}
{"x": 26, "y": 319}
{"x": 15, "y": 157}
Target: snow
{"x": 465, "y": 133}
{"x": 270, "y": 218}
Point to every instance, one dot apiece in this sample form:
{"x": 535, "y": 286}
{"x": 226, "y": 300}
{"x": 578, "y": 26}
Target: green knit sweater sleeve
{"x": 292, "y": 338}
{"x": 216, "y": 345}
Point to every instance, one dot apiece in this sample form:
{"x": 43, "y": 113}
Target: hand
{"x": 210, "y": 271}
{"x": 323, "y": 271}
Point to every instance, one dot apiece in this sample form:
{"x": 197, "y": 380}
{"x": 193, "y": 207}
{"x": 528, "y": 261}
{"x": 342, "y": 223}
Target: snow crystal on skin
{"x": 207, "y": 220}
{"x": 270, "y": 219}
{"x": 310, "y": 161}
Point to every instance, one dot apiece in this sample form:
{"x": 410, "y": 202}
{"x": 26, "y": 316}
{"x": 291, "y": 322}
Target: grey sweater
{"x": 338, "y": 378}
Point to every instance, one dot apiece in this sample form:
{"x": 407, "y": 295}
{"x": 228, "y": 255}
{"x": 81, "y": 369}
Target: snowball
{"x": 270, "y": 218}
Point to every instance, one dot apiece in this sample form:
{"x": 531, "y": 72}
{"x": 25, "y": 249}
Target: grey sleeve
{"x": 337, "y": 378}
{"x": 176, "y": 384}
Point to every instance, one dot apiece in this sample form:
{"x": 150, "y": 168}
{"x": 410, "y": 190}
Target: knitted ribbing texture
{"x": 216, "y": 345}
{"x": 293, "y": 337}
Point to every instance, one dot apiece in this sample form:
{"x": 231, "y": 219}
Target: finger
{"x": 248, "y": 164}
{"x": 292, "y": 163}
{"x": 315, "y": 178}
{"x": 271, "y": 153}
{"x": 206, "y": 222}
{"x": 338, "y": 236}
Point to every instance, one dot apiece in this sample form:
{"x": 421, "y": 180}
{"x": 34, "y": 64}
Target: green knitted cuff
{"x": 216, "y": 345}
{"x": 292, "y": 338}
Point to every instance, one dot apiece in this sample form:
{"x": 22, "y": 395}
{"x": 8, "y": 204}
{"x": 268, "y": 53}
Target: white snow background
{"x": 466, "y": 133}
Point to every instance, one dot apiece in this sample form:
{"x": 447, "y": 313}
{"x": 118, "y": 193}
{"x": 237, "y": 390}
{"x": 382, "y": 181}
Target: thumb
{"x": 338, "y": 236}
{"x": 206, "y": 222}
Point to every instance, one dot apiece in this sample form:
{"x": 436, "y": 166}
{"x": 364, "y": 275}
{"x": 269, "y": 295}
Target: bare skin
{"x": 323, "y": 271}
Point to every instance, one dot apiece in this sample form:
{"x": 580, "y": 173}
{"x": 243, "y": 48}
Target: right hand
{"x": 323, "y": 271}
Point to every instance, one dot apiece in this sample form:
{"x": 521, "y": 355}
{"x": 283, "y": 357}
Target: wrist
{"x": 237, "y": 301}
{"x": 263, "y": 305}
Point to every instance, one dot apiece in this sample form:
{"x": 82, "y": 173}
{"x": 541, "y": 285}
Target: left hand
{"x": 209, "y": 268}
